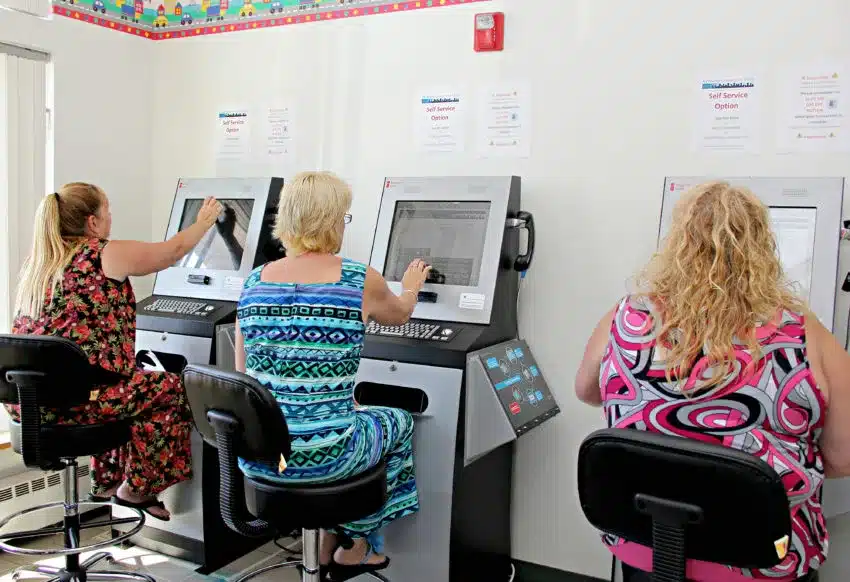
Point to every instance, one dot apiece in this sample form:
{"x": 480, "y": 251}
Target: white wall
{"x": 611, "y": 87}
{"x": 102, "y": 88}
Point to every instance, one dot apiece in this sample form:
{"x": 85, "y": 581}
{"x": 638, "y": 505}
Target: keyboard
{"x": 180, "y": 307}
{"x": 411, "y": 330}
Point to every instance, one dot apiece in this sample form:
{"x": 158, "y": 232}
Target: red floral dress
{"x": 99, "y": 314}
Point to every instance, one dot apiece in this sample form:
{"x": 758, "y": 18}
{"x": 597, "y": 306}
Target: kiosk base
{"x": 463, "y": 525}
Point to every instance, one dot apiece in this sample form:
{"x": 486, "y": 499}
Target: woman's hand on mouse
{"x": 415, "y": 276}
{"x": 210, "y": 210}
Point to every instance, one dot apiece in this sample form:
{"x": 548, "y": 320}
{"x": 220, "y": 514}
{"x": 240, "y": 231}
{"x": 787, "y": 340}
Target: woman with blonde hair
{"x": 75, "y": 285}
{"x": 717, "y": 327}
{"x": 301, "y": 324}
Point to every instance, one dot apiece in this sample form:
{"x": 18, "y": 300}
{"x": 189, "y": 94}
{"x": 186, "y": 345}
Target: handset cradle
{"x": 523, "y": 220}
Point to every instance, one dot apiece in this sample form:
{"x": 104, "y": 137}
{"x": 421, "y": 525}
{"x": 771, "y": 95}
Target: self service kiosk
{"x": 176, "y": 326}
{"x": 806, "y": 218}
{"x": 458, "y": 367}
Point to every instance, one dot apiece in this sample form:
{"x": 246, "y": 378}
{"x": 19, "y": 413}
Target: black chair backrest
{"x": 57, "y": 366}
{"x": 240, "y": 418}
{"x": 682, "y": 496}
{"x": 263, "y": 435}
{"x": 44, "y": 371}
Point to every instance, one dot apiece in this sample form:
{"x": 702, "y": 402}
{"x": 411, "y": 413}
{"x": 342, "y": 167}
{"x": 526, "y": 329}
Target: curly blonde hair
{"x": 716, "y": 278}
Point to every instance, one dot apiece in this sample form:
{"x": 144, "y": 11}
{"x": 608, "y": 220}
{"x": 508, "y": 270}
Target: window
{"x": 24, "y": 165}
{"x": 24, "y": 128}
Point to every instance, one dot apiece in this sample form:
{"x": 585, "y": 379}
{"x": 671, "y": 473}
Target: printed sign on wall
{"x": 170, "y": 19}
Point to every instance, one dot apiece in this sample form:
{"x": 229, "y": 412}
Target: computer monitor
{"x": 455, "y": 253}
{"x": 223, "y": 246}
{"x": 456, "y": 224}
{"x": 806, "y": 217}
{"x": 794, "y": 229}
{"x": 218, "y": 265}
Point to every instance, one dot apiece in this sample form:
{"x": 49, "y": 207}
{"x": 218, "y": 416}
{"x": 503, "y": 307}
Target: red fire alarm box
{"x": 489, "y": 31}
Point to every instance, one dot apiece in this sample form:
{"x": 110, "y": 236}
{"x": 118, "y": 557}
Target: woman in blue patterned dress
{"x": 301, "y": 323}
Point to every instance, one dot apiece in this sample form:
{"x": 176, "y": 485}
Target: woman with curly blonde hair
{"x": 716, "y": 326}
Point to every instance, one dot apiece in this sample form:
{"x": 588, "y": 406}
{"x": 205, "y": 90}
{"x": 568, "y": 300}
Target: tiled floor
{"x": 162, "y": 568}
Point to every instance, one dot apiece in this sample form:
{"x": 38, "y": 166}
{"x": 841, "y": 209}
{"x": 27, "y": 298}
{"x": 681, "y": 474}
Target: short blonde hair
{"x": 312, "y": 206}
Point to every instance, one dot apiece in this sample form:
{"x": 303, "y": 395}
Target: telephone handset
{"x": 524, "y": 220}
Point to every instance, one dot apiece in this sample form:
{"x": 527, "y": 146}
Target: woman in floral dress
{"x": 75, "y": 284}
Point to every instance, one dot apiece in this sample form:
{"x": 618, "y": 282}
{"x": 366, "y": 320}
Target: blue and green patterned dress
{"x": 303, "y": 343}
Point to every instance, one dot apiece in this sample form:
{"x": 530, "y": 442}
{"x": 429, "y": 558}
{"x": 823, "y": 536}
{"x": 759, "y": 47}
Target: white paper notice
{"x": 440, "y": 122}
{"x": 472, "y": 301}
{"x": 234, "y": 282}
{"x": 812, "y": 110}
{"x": 504, "y": 121}
{"x": 279, "y": 144}
{"x": 727, "y": 115}
{"x": 232, "y": 143}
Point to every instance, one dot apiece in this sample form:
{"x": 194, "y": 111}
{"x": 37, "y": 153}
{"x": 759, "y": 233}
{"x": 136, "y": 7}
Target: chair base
{"x": 81, "y": 573}
{"x": 5, "y": 538}
{"x": 307, "y": 564}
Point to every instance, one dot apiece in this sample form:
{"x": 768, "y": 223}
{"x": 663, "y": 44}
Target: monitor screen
{"x": 449, "y": 236}
{"x": 794, "y": 229}
{"x": 222, "y": 247}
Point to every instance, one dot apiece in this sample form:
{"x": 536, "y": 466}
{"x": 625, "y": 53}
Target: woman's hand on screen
{"x": 209, "y": 212}
{"x": 415, "y": 276}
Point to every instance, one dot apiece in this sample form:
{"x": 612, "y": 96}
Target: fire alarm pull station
{"x": 489, "y": 32}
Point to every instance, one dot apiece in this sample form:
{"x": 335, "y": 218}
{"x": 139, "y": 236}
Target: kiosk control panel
{"x": 517, "y": 381}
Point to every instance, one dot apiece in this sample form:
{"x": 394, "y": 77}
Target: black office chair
{"x": 239, "y": 417}
{"x": 43, "y": 371}
{"x": 685, "y": 499}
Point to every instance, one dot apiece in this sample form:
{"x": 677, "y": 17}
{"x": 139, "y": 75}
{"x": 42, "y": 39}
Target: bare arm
{"x": 123, "y": 258}
{"x": 240, "y": 350}
{"x": 384, "y": 306}
{"x": 587, "y": 378}
{"x": 830, "y": 366}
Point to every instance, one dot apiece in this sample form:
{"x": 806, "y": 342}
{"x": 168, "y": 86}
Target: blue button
{"x": 539, "y": 395}
{"x": 492, "y": 363}
{"x": 534, "y": 371}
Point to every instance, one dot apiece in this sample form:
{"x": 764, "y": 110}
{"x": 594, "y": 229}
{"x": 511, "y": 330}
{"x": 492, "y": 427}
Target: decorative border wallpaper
{"x": 172, "y": 19}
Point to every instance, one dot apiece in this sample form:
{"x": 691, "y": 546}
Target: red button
{"x": 515, "y": 407}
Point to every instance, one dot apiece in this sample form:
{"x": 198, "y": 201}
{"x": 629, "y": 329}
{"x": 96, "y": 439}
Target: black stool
{"x": 241, "y": 418}
{"x": 44, "y": 371}
{"x": 684, "y": 499}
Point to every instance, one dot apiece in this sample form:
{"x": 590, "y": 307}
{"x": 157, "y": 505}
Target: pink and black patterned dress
{"x": 770, "y": 408}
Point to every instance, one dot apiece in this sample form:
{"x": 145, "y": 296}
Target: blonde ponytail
{"x": 60, "y": 226}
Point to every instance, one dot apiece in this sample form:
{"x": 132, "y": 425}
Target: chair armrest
{"x": 234, "y": 510}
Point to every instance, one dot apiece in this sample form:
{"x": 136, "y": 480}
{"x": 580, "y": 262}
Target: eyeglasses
{"x": 347, "y": 219}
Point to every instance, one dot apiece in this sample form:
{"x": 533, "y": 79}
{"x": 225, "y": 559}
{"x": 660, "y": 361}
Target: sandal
{"x": 337, "y": 572}
{"x": 144, "y": 506}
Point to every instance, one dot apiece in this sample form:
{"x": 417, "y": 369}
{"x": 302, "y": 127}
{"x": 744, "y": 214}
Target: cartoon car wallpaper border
{"x": 175, "y": 19}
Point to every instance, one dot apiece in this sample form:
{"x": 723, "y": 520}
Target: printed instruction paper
{"x": 727, "y": 115}
{"x": 232, "y": 143}
{"x": 812, "y": 109}
{"x": 440, "y": 122}
{"x": 504, "y": 121}
{"x": 278, "y": 140}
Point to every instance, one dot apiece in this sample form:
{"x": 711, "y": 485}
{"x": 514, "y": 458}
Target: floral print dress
{"x": 99, "y": 314}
